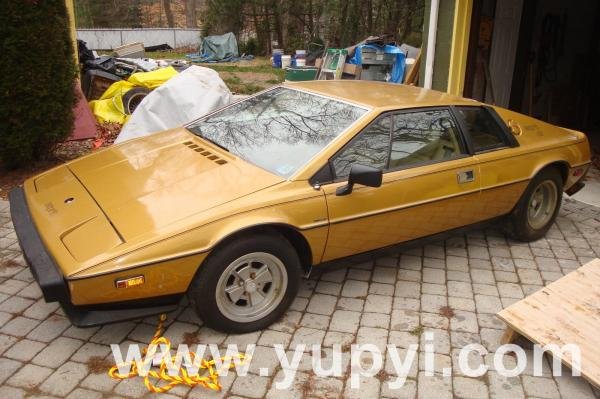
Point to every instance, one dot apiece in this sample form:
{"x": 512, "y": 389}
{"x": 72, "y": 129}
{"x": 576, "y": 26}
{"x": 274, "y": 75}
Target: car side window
{"x": 422, "y": 137}
{"x": 370, "y": 148}
{"x": 483, "y": 130}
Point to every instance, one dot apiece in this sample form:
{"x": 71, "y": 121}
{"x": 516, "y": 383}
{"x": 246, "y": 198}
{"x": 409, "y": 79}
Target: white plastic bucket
{"x": 286, "y": 61}
{"x": 300, "y": 62}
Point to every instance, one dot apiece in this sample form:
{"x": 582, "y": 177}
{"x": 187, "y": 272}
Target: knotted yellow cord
{"x": 210, "y": 380}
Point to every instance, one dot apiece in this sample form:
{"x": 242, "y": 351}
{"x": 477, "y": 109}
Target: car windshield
{"x": 279, "y": 130}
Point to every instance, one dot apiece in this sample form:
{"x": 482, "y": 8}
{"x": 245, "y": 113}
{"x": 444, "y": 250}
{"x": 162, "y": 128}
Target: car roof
{"x": 380, "y": 94}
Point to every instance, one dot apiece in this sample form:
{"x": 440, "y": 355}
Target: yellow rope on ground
{"x": 210, "y": 380}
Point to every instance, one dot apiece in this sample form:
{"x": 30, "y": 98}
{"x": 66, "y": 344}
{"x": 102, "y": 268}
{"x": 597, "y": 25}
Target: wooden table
{"x": 567, "y": 311}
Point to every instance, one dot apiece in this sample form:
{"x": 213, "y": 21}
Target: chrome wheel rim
{"x": 251, "y": 287}
{"x": 542, "y": 204}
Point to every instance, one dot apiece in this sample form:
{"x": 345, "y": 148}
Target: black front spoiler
{"x": 82, "y": 316}
{"x": 53, "y": 284}
{"x": 42, "y": 265}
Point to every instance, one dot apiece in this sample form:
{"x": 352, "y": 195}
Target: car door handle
{"x": 465, "y": 176}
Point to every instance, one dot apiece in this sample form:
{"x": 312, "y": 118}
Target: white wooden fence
{"x": 108, "y": 39}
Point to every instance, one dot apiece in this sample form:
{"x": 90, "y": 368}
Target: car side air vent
{"x": 192, "y": 146}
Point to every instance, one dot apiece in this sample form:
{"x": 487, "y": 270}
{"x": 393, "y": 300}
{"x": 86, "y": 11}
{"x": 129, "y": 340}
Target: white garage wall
{"x": 108, "y": 39}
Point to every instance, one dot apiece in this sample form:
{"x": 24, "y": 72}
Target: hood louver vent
{"x": 192, "y": 146}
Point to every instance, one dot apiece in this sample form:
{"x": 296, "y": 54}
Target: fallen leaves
{"x": 106, "y": 133}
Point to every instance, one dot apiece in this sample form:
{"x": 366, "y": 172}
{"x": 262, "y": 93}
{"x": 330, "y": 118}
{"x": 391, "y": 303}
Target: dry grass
{"x": 63, "y": 152}
{"x": 382, "y": 376}
{"x": 447, "y": 311}
{"x": 191, "y": 338}
{"x": 98, "y": 365}
{"x": 8, "y": 263}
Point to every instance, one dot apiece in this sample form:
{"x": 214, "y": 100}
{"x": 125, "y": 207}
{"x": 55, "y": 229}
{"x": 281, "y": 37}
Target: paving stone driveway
{"x": 451, "y": 288}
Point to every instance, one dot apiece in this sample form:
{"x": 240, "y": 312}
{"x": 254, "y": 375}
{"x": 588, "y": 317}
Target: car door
{"x": 503, "y": 175}
{"x": 429, "y": 184}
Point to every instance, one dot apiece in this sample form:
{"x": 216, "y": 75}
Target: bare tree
{"x": 168, "y": 12}
{"x": 190, "y": 13}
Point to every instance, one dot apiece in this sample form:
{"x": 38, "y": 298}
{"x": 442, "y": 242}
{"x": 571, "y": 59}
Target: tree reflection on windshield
{"x": 279, "y": 130}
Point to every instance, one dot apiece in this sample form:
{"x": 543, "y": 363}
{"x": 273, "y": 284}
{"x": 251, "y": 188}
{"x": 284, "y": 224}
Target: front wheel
{"x": 538, "y": 207}
{"x": 246, "y": 284}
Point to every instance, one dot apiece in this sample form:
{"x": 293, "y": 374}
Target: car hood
{"x": 146, "y": 184}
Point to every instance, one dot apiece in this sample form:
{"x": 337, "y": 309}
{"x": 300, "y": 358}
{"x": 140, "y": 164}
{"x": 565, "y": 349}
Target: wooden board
{"x": 412, "y": 75}
{"x": 567, "y": 311}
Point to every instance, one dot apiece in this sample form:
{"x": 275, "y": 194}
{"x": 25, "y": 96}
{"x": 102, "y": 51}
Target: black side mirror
{"x": 361, "y": 174}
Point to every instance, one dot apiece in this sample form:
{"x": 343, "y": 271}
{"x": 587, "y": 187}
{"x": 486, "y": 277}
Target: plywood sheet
{"x": 567, "y": 311}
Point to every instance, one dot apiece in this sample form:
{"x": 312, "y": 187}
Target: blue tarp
{"x": 222, "y": 48}
{"x": 397, "y": 73}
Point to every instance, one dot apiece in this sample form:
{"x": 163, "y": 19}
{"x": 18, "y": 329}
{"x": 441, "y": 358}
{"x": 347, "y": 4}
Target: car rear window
{"x": 279, "y": 130}
{"x": 485, "y": 133}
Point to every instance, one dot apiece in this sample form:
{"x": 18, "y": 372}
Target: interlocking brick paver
{"x": 57, "y": 352}
{"x": 308, "y": 336}
{"x": 407, "y": 391}
{"x": 353, "y": 304}
{"x": 80, "y": 393}
{"x": 440, "y": 340}
{"x": 345, "y": 321}
{"x": 369, "y": 387}
{"x": 451, "y": 288}
{"x": 375, "y": 336}
{"x": 6, "y": 342}
{"x": 379, "y": 320}
{"x": 11, "y": 392}
{"x": 24, "y": 350}
{"x": 432, "y": 303}
{"x": 30, "y": 376}
{"x": 461, "y": 304}
{"x": 7, "y": 368}
{"x": 19, "y": 326}
{"x": 381, "y": 289}
{"x": 15, "y": 304}
{"x": 378, "y": 304}
{"x": 49, "y": 329}
{"x": 460, "y": 289}
{"x": 434, "y": 387}
{"x": 251, "y": 387}
{"x": 355, "y": 289}
{"x": 464, "y": 321}
{"x": 540, "y": 387}
{"x": 433, "y": 320}
{"x": 434, "y": 289}
{"x": 404, "y": 320}
{"x": 326, "y": 287}
{"x": 315, "y": 321}
{"x": 487, "y": 304}
{"x": 409, "y": 289}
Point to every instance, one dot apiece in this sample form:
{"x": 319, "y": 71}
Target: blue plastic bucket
{"x": 277, "y": 58}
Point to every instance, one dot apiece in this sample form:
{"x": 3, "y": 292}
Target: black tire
{"x": 132, "y": 98}
{"x": 203, "y": 289}
{"x": 519, "y": 226}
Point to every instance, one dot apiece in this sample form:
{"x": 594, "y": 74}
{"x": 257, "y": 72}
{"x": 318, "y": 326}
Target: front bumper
{"x": 42, "y": 265}
{"x": 55, "y": 287}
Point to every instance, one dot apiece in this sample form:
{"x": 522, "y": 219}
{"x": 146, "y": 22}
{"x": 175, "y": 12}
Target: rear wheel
{"x": 133, "y": 97}
{"x": 538, "y": 207}
{"x": 247, "y": 284}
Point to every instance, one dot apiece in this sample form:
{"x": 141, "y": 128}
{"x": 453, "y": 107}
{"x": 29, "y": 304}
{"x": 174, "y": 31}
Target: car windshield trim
{"x": 359, "y": 105}
{"x": 344, "y": 117}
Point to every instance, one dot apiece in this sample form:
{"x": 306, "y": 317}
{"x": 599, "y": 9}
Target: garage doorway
{"x": 538, "y": 57}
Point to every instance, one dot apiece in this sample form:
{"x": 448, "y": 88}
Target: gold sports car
{"x": 235, "y": 207}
